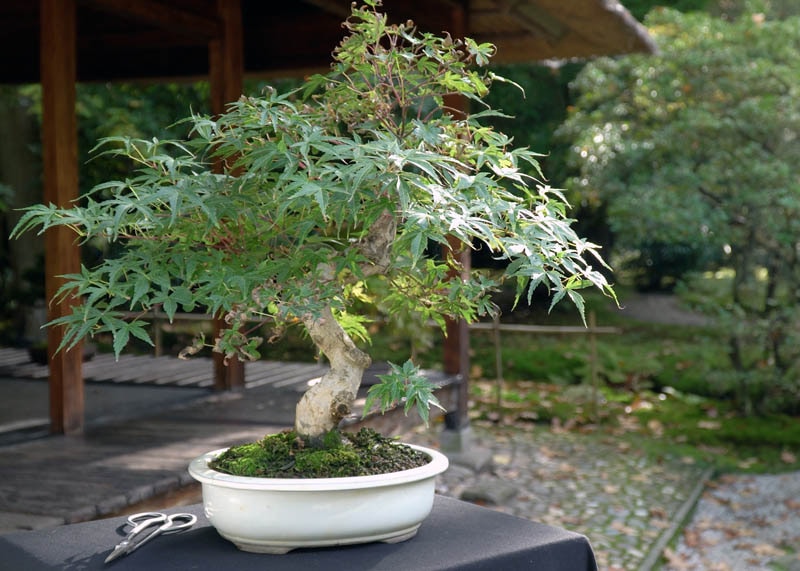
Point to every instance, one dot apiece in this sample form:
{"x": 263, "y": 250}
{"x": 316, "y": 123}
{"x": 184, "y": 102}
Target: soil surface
{"x": 338, "y": 455}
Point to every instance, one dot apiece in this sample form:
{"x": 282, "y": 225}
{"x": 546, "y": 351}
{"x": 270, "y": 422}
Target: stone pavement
{"x": 638, "y": 513}
{"x": 743, "y": 522}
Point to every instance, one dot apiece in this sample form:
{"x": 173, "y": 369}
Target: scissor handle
{"x": 166, "y": 523}
{"x": 151, "y": 518}
{"x": 178, "y": 522}
{"x": 148, "y": 525}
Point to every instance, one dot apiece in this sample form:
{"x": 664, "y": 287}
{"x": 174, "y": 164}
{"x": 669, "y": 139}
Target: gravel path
{"x": 742, "y": 523}
{"x": 630, "y": 506}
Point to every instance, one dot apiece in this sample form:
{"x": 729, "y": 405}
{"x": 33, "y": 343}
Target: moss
{"x": 286, "y": 455}
{"x": 330, "y": 463}
{"x": 332, "y": 440}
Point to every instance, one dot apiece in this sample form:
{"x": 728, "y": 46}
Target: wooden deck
{"x": 168, "y": 371}
{"x": 118, "y": 465}
{"x": 56, "y": 479}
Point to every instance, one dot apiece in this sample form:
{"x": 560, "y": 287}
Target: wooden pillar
{"x": 226, "y": 78}
{"x": 60, "y": 161}
{"x": 226, "y": 56}
{"x": 456, "y": 343}
{"x": 456, "y": 349}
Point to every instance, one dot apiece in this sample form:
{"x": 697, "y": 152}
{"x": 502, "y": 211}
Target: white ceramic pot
{"x": 276, "y": 515}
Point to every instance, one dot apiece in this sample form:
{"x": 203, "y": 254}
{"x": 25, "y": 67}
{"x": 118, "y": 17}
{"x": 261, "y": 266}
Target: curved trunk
{"x": 326, "y": 403}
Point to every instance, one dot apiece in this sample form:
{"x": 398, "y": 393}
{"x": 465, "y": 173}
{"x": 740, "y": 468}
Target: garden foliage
{"x": 697, "y": 148}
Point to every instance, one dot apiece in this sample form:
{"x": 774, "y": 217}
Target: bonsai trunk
{"x": 326, "y": 403}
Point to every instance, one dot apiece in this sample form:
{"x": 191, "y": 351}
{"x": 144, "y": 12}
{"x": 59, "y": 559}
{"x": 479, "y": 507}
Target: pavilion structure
{"x": 59, "y": 43}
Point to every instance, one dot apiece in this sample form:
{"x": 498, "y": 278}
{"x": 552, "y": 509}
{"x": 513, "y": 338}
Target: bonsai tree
{"x": 292, "y": 207}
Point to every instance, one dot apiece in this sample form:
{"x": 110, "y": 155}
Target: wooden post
{"x": 593, "y": 363}
{"x": 456, "y": 343}
{"x": 60, "y": 162}
{"x": 226, "y": 76}
{"x": 456, "y": 348}
{"x": 226, "y": 56}
{"x": 498, "y": 361}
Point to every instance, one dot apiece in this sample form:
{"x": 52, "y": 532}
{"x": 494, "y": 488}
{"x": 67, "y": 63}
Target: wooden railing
{"x": 591, "y": 329}
{"x": 158, "y": 317}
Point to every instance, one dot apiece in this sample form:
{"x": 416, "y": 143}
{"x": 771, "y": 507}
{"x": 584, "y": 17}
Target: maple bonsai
{"x": 290, "y": 207}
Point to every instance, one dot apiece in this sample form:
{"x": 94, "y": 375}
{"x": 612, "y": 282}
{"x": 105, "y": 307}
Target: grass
{"x": 657, "y": 389}
{"x": 664, "y": 424}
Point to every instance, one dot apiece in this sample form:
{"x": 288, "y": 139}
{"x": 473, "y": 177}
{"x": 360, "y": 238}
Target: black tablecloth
{"x": 457, "y": 535}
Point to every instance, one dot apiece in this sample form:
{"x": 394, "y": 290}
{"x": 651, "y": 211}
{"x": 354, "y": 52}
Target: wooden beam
{"x": 339, "y": 8}
{"x": 226, "y": 65}
{"x": 163, "y": 15}
{"x": 135, "y": 39}
{"x": 60, "y": 162}
{"x": 538, "y": 22}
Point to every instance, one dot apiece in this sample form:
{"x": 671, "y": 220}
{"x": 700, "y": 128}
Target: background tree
{"x": 697, "y": 148}
{"x": 535, "y": 119}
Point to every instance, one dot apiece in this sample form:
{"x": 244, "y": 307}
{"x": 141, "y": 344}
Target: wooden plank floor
{"x": 62, "y": 479}
{"x": 142, "y": 369}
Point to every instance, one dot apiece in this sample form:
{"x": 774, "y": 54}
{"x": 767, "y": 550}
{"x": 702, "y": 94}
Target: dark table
{"x": 457, "y": 535}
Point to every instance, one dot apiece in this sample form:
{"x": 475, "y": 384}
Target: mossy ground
{"x": 339, "y": 454}
{"x": 697, "y": 429}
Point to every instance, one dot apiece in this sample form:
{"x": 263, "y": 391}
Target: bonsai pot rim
{"x": 201, "y": 472}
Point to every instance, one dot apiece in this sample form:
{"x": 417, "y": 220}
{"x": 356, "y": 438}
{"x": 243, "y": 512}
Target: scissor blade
{"x": 119, "y": 551}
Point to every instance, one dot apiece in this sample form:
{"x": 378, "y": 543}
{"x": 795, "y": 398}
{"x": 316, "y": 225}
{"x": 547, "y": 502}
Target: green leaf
{"x": 141, "y": 287}
{"x": 121, "y": 338}
{"x": 170, "y": 307}
{"x": 403, "y": 384}
{"x": 137, "y": 329}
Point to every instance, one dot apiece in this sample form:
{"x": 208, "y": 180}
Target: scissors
{"x": 148, "y": 525}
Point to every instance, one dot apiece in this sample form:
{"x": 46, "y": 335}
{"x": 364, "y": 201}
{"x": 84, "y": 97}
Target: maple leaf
{"x": 691, "y": 537}
{"x": 767, "y": 550}
{"x": 675, "y": 560}
{"x": 792, "y": 504}
{"x": 622, "y": 528}
{"x": 658, "y": 513}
